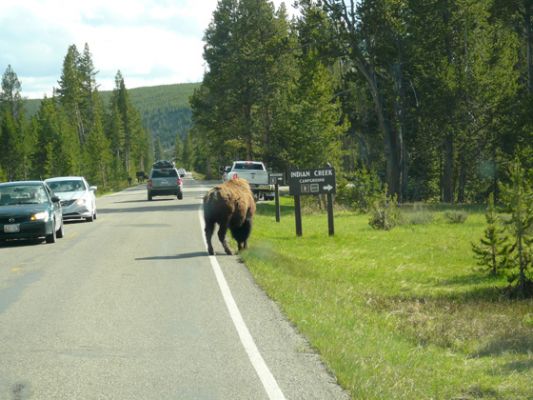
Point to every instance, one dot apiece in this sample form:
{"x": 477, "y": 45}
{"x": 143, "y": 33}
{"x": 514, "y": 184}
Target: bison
{"x": 230, "y": 205}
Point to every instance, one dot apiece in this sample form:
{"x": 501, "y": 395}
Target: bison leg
{"x": 222, "y": 237}
{"x": 209, "y": 228}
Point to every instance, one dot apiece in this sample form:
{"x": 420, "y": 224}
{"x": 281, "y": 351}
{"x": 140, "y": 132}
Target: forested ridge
{"x": 164, "y": 109}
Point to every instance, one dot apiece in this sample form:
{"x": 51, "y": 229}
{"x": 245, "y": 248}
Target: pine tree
{"x": 10, "y": 143}
{"x": 87, "y": 76}
{"x": 13, "y": 158}
{"x": 56, "y": 151}
{"x": 47, "y": 128}
{"x": 134, "y": 145}
{"x": 517, "y": 197}
{"x": 158, "y": 149}
{"x": 249, "y": 54}
{"x": 116, "y": 136}
{"x": 69, "y": 92}
{"x": 308, "y": 129}
{"x": 178, "y": 150}
{"x": 491, "y": 251}
{"x": 97, "y": 152}
{"x": 187, "y": 155}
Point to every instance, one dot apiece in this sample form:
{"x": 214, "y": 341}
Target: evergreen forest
{"x": 434, "y": 98}
{"x": 74, "y": 132}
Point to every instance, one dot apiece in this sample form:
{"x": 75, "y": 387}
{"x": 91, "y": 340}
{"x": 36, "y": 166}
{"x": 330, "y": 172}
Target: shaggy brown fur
{"x": 230, "y": 205}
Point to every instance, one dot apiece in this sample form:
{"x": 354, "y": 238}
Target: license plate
{"x": 12, "y": 228}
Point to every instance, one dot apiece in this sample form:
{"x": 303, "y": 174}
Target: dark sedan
{"x": 29, "y": 210}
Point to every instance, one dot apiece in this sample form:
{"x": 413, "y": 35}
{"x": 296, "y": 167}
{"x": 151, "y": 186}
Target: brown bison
{"x": 230, "y": 205}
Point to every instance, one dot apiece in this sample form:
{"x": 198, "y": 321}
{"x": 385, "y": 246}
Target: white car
{"x": 77, "y": 197}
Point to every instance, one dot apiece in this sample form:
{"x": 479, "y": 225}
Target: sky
{"x": 151, "y": 42}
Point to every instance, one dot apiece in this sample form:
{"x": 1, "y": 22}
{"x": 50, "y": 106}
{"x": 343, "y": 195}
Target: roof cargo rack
{"x": 163, "y": 164}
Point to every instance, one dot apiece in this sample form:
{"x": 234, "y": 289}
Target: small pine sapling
{"x": 517, "y": 197}
{"x": 492, "y": 249}
{"x": 384, "y": 213}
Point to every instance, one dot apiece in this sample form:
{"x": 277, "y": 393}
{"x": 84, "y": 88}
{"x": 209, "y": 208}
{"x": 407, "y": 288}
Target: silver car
{"x": 77, "y": 197}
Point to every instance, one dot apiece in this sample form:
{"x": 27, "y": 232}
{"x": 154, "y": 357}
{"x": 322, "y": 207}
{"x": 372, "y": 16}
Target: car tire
{"x": 149, "y": 197}
{"x": 180, "y": 195}
{"x": 60, "y": 232}
{"x": 52, "y": 237}
{"x": 90, "y": 219}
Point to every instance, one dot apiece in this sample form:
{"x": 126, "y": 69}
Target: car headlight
{"x": 81, "y": 201}
{"x": 40, "y": 216}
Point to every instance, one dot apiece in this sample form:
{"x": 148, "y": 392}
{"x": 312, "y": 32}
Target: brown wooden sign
{"x": 312, "y": 181}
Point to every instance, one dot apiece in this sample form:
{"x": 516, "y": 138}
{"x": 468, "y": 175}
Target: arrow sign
{"x": 328, "y": 188}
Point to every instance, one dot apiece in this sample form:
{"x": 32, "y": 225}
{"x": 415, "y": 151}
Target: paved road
{"x": 131, "y": 307}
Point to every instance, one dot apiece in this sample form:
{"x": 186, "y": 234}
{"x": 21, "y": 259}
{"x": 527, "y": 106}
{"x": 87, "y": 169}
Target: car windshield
{"x": 164, "y": 173}
{"x": 67, "y": 186}
{"x": 22, "y": 194}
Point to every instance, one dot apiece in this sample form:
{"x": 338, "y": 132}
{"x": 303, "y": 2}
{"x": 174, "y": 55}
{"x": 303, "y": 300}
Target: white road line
{"x": 267, "y": 379}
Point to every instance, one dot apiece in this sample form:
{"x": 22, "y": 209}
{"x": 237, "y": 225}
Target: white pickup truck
{"x": 256, "y": 174}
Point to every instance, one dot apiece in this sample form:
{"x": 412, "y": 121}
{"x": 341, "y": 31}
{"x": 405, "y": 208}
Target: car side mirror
{"x": 93, "y": 188}
{"x": 56, "y": 199}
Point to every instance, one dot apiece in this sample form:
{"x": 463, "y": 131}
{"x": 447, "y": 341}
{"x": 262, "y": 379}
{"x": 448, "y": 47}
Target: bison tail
{"x": 242, "y": 233}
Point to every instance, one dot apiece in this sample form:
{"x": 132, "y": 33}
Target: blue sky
{"x": 152, "y": 42}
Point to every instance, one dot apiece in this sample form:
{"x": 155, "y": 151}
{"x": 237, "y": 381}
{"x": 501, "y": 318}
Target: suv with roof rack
{"x": 164, "y": 180}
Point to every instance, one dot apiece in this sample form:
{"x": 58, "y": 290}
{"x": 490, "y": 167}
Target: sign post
{"x": 277, "y": 179}
{"x": 276, "y": 198}
{"x": 298, "y": 215}
{"x": 312, "y": 181}
{"x": 331, "y": 227}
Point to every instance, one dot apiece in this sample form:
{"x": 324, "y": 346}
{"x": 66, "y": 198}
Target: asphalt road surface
{"x": 130, "y": 306}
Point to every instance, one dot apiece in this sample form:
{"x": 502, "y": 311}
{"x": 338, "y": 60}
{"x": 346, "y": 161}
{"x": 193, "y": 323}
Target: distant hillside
{"x": 164, "y": 109}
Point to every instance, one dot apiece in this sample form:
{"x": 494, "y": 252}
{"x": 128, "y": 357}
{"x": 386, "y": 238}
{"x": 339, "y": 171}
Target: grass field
{"x": 397, "y": 314}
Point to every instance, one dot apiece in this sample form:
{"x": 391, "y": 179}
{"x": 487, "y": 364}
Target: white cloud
{"x": 151, "y": 42}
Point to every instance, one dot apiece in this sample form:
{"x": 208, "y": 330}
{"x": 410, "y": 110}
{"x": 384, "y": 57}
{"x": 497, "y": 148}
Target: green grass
{"x": 399, "y": 314}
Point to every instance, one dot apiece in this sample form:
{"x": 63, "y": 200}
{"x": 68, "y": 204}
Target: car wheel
{"x": 90, "y": 219}
{"x": 180, "y": 195}
{"x": 52, "y": 237}
{"x": 149, "y": 197}
{"x": 60, "y": 233}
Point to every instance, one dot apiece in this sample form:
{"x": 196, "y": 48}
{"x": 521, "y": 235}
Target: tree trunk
{"x": 447, "y": 173}
{"x": 248, "y": 134}
{"x": 529, "y": 43}
{"x": 462, "y": 178}
{"x": 399, "y": 110}
{"x": 390, "y": 139}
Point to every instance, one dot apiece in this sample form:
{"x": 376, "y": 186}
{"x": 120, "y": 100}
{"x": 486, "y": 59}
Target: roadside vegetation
{"x": 403, "y": 313}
